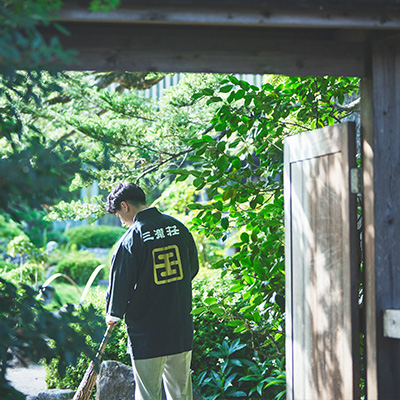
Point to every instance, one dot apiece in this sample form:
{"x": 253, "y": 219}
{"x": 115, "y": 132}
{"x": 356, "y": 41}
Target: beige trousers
{"x": 173, "y": 371}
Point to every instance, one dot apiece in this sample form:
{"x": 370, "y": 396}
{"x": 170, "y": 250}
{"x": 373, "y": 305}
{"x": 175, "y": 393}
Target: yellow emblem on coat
{"x": 167, "y": 265}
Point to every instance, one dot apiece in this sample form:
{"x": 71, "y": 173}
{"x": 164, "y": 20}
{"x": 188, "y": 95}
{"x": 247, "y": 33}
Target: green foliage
{"x": 29, "y": 171}
{"x": 32, "y": 261}
{"x": 28, "y": 273}
{"x": 115, "y": 350}
{"x": 103, "y": 5}
{"x": 34, "y": 225}
{"x": 209, "y": 329}
{"x": 35, "y": 167}
{"x": 8, "y": 231}
{"x": 102, "y": 236}
{"x": 240, "y": 166}
{"x": 22, "y": 44}
{"x": 236, "y": 375}
{"x": 21, "y": 245}
{"x": 78, "y": 265}
{"x": 222, "y": 139}
{"x": 65, "y": 293}
{"x": 221, "y": 383}
{"x": 77, "y": 209}
{"x": 26, "y": 328}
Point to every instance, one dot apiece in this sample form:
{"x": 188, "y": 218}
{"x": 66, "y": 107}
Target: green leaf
{"x": 207, "y": 92}
{"x": 221, "y": 163}
{"x": 225, "y": 223}
{"x": 199, "y": 183}
{"x": 231, "y": 97}
{"x": 207, "y": 138}
{"x": 181, "y": 178}
{"x": 236, "y": 163}
{"x": 216, "y": 309}
{"x": 211, "y": 300}
{"x": 244, "y": 85}
{"x": 217, "y": 216}
{"x": 221, "y": 146}
{"x": 197, "y": 95}
{"x": 198, "y": 310}
{"x": 214, "y": 99}
{"x": 194, "y": 206}
{"x": 240, "y": 329}
{"x": 195, "y": 158}
{"x": 226, "y": 88}
{"x": 240, "y": 94}
{"x": 235, "y": 323}
{"x": 244, "y": 237}
{"x": 228, "y": 193}
{"x": 233, "y": 79}
{"x": 221, "y": 126}
{"x": 219, "y": 205}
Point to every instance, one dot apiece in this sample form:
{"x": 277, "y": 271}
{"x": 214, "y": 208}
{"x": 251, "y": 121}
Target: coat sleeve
{"x": 123, "y": 276}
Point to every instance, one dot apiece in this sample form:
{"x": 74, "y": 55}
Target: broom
{"x": 89, "y": 379}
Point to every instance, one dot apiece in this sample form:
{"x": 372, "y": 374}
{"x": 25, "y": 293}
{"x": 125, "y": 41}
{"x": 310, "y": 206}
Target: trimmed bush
{"x": 91, "y": 236}
{"x": 78, "y": 265}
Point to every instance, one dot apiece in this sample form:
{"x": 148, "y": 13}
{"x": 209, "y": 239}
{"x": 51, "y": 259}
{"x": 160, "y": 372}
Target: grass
{"x": 66, "y": 293}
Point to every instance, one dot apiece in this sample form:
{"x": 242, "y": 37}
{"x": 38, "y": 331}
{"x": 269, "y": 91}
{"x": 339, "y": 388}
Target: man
{"x": 150, "y": 284}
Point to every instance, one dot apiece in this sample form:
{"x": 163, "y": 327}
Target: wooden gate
{"x": 321, "y": 265}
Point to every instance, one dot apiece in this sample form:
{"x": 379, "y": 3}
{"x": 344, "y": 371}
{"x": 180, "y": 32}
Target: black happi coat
{"x": 150, "y": 283}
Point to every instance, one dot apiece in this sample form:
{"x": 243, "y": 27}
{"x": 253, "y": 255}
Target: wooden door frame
{"x": 313, "y": 41}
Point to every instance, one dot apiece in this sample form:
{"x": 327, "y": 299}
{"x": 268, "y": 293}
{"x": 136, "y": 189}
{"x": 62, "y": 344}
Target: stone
{"x": 115, "y": 382}
{"x": 115, "y": 378}
{"x": 56, "y": 394}
{"x": 98, "y": 252}
{"x": 51, "y": 246}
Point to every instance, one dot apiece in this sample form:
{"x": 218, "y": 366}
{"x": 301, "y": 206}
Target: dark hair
{"x": 128, "y": 192}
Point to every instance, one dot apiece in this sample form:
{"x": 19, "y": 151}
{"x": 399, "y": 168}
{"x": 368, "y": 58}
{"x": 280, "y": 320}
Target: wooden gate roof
{"x": 292, "y": 37}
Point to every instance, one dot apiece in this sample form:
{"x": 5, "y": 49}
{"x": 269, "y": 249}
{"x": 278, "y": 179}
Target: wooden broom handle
{"x": 104, "y": 341}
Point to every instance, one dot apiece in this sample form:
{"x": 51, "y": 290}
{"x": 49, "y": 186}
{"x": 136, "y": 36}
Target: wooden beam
{"x": 381, "y": 160}
{"x": 112, "y": 47}
{"x": 255, "y": 13}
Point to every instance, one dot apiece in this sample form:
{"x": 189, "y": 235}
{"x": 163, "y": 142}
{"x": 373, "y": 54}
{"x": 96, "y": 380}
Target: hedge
{"x": 93, "y": 236}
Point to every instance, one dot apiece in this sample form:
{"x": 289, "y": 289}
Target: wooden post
{"x": 380, "y": 121}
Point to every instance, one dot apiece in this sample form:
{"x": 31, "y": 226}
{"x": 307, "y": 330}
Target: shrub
{"x": 7, "y": 266}
{"x": 27, "y": 329}
{"x": 115, "y": 350}
{"x": 236, "y": 375}
{"x": 209, "y": 330}
{"x": 8, "y": 231}
{"x": 219, "y": 353}
{"x": 95, "y": 235}
{"x": 57, "y": 236}
{"x": 31, "y": 273}
{"x": 229, "y": 362}
{"x": 78, "y": 265}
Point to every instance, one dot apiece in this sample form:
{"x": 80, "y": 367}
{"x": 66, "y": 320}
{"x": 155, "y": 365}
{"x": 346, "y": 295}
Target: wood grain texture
{"x": 322, "y": 341}
{"x": 381, "y": 147}
{"x": 167, "y": 48}
{"x": 218, "y": 13}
